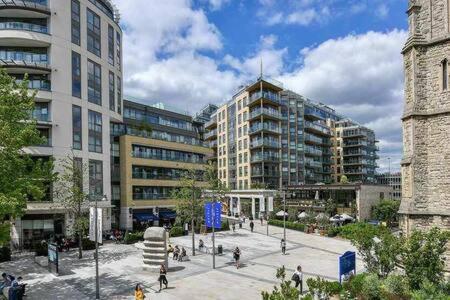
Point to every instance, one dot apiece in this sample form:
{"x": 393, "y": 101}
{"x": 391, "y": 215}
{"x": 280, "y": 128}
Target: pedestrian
{"x": 297, "y": 277}
{"x": 176, "y": 252}
{"x": 283, "y": 246}
{"x": 182, "y": 254}
{"x": 251, "y": 226}
{"x": 234, "y": 227}
{"x": 162, "y": 277}
{"x": 237, "y": 256}
{"x": 261, "y": 219}
{"x": 139, "y": 292}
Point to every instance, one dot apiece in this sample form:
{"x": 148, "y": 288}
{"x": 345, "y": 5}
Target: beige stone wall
{"x": 369, "y": 196}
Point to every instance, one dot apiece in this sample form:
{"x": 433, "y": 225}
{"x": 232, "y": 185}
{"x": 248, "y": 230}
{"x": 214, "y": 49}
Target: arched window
{"x": 444, "y": 74}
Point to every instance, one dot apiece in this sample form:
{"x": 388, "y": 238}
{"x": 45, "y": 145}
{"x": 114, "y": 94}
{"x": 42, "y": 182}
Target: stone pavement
{"x": 121, "y": 268}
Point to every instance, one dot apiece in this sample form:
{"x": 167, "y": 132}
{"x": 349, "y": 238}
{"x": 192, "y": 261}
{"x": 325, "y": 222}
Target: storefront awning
{"x": 167, "y": 214}
{"x": 144, "y": 217}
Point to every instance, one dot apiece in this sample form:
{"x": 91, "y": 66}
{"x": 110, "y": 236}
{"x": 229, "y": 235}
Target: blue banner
{"x": 347, "y": 263}
{"x": 216, "y": 209}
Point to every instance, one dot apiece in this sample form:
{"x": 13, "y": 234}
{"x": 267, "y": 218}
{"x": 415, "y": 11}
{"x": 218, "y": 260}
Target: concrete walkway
{"x": 121, "y": 268}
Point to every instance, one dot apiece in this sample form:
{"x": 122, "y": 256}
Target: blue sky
{"x": 344, "y": 53}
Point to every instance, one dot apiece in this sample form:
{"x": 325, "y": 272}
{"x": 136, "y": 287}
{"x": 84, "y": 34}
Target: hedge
{"x": 289, "y": 225}
{"x": 176, "y": 231}
{"x": 5, "y": 254}
{"x": 133, "y": 237}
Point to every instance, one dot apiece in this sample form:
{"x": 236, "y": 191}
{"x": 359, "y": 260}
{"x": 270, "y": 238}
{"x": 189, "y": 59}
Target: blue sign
{"x": 347, "y": 263}
{"x": 213, "y": 211}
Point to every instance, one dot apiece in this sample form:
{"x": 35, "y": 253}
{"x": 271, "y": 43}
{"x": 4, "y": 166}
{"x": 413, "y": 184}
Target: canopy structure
{"x": 281, "y": 213}
{"x": 347, "y": 217}
{"x": 302, "y": 215}
{"x": 167, "y": 214}
{"x": 144, "y": 217}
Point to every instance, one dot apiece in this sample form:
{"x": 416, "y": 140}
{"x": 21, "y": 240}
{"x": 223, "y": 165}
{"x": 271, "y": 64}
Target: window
{"x": 94, "y": 83}
{"x": 76, "y": 22}
{"x": 112, "y": 92}
{"x": 444, "y": 74}
{"x": 76, "y": 74}
{"x": 119, "y": 95}
{"x": 93, "y": 33}
{"x": 95, "y": 132}
{"x": 118, "y": 50}
{"x": 95, "y": 178}
{"x": 76, "y": 128}
{"x": 111, "y": 45}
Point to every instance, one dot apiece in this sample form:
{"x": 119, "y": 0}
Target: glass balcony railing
{"x": 313, "y": 139}
{"x": 265, "y": 157}
{"x": 265, "y": 127}
{"x": 313, "y": 164}
{"x": 23, "y": 26}
{"x": 318, "y": 127}
{"x": 211, "y": 134}
{"x": 39, "y": 116}
{"x": 269, "y": 112}
{"x": 265, "y": 142}
{"x": 145, "y": 196}
{"x": 313, "y": 151}
{"x": 265, "y": 174}
{"x": 266, "y": 95}
{"x": 27, "y": 3}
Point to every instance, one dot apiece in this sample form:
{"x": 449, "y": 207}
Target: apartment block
{"x": 155, "y": 146}
{"x": 72, "y": 53}
{"x": 268, "y": 137}
{"x": 394, "y": 180}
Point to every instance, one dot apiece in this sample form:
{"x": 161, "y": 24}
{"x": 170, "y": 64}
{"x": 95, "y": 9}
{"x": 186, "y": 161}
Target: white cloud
{"x": 217, "y": 4}
{"x": 382, "y": 11}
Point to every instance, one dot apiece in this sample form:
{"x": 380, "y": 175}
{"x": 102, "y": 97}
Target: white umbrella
{"x": 336, "y": 218}
{"x": 302, "y": 215}
{"x": 321, "y": 216}
{"x": 281, "y": 213}
{"x": 346, "y": 217}
{"x": 317, "y": 196}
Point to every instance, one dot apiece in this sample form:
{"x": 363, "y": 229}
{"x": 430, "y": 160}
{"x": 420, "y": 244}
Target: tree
{"x": 73, "y": 198}
{"x": 422, "y": 256}
{"x": 285, "y": 291}
{"x": 386, "y": 211}
{"x": 189, "y": 205}
{"x": 22, "y": 178}
{"x": 330, "y": 207}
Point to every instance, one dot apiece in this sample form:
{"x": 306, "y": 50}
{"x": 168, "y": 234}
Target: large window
{"x": 76, "y": 128}
{"x": 111, "y": 45}
{"x": 95, "y": 132}
{"x": 93, "y": 33}
{"x": 94, "y": 83}
{"x": 151, "y": 192}
{"x": 119, "y": 95}
{"x": 76, "y": 22}
{"x": 95, "y": 178}
{"x": 118, "y": 49}
{"x": 76, "y": 74}
{"x": 112, "y": 92}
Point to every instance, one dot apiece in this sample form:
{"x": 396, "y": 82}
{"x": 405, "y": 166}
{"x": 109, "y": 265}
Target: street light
{"x": 97, "y": 281}
{"x": 284, "y": 216}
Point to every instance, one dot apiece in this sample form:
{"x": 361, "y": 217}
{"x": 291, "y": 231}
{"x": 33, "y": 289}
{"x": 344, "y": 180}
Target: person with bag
{"x": 297, "y": 277}
{"x": 162, "y": 277}
{"x": 237, "y": 256}
{"x": 283, "y": 246}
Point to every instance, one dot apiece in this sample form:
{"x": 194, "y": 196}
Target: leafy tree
{"x": 386, "y": 211}
{"x": 422, "y": 257}
{"x": 21, "y": 177}
{"x": 73, "y": 198}
{"x": 330, "y": 207}
{"x": 189, "y": 205}
{"x": 285, "y": 291}
{"x": 344, "y": 179}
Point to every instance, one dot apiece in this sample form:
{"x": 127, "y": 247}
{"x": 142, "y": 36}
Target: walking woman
{"x": 139, "y": 292}
{"x": 297, "y": 277}
{"x": 162, "y": 277}
{"x": 283, "y": 246}
{"x": 237, "y": 256}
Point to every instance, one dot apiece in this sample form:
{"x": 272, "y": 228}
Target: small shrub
{"x": 372, "y": 287}
{"x": 289, "y": 225}
{"x": 333, "y": 231}
{"x": 355, "y": 285}
{"x": 395, "y": 285}
{"x": 5, "y": 254}
{"x": 133, "y": 237}
{"x": 40, "y": 249}
{"x": 427, "y": 291}
{"x": 88, "y": 244}
{"x": 176, "y": 231}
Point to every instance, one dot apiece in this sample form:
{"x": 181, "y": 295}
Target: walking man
{"x": 283, "y": 246}
{"x": 261, "y": 219}
{"x": 237, "y": 256}
{"x": 297, "y": 277}
{"x": 251, "y": 226}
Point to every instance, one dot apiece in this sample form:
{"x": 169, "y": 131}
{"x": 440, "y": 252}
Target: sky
{"x": 343, "y": 53}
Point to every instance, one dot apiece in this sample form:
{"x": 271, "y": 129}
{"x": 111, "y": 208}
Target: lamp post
{"x": 284, "y": 216}
{"x": 213, "y": 213}
{"x": 97, "y": 280}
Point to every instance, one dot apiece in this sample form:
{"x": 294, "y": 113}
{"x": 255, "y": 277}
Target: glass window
{"x": 95, "y": 178}
{"x": 112, "y": 92}
{"x": 76, "y": 22}
{"x": 95, "y": 132}
{"x": 119, "y": 95}
{"x": 111, "y": 45}
{"x": 94, "y": 83}
{"x": 93, "y": 33}
{"x": 76, "y": 128}
{"x": 118, "y": 50}
{"x": 76, "y": 74}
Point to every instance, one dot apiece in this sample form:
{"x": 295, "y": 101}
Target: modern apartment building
{"x": 71, "y": 51}
{"x": 355, "y": 152}
{"x": 269, "y": 137}
{"x": 154, "y": 147}
{"x": 394, "y": 180}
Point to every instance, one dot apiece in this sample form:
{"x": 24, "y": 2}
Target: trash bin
{"x": 219, "y": 250}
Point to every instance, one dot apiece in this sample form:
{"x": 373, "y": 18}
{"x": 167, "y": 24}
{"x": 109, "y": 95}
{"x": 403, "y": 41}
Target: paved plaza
{"x": 121, "y": 268}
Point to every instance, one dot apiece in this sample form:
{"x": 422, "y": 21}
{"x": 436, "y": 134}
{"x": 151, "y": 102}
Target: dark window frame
{"x": 76, "y": 74}
{"x": 75, "y": 22}
{"x": 77, "y": 127}
{"x": 94, "y": 82}
{"x": 94, "y": 34}
{"x": 95, "y": 128}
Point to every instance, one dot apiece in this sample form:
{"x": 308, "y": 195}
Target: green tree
{"x": 330, "y": 207}
{"x": 344, "y": 179}
{"x": 422, "y": 257}
{"x": 73, "y": 198}
{"x": 22, "y": 178}
{"x": 386, "y": 211}
{"x": 285, "y": 291}
{"x": 190, "y": 203}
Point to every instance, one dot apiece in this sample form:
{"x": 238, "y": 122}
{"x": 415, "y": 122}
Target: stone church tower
{"x": 426, "y": 119}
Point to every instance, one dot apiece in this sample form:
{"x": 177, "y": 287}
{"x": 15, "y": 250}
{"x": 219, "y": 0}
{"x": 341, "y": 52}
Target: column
{"x": 262, "y": 206}
{"x": 230, "y": 205}
{"x": 239, "y": 205}
{"x": 253, "y": 207}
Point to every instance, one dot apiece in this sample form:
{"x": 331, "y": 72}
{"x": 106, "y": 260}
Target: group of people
{"x": 177, "y": 254}
{"x": 15, "y": 286}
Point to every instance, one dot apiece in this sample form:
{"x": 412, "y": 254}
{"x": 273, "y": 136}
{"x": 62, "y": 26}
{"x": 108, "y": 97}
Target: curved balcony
{"x": 24, "y": 8}
{"x": 17, "y": 34}
{"x": 266, "y": 98}
{"x": 22, "y": 67}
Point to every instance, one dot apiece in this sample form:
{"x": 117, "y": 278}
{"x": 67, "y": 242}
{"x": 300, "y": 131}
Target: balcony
{"x": 211, "y": 135}
{"x": 266, "y": 97}
{"x": 24, "y": 8}
{"x": 257, "y": 158}
{"x": 22, "y": 67}
{"x": 260, "y": 173}
{"x": 269, "y": 113}
{"x": 317, "y": 128}
{"x": 350, "y": 162}
{"x": 313, "y": 152}
{"x": 264, "y": 127}
{"x": 18, "y": 25}
{"x": 312, "y": 139}
{"x": 355, "y": 153}
{"x": 314, "y": 114}
{"x": 211, "y": 124}
{"x": 264, "y": 143}
{"x": 213, "y": 144}
{"x": 313, "y": 164}
{"x": 356, "y": 143}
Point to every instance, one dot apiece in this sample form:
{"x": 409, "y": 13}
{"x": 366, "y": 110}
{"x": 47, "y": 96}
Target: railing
{"x": 318, "y": 127}
{"x": 355, "y": 143}
{"x": 148, "y": 175}
{"x": 37, "y": 4}
{"x": 265, "y": 142}
{"x": 211, "y": 122}
{"x": 312, "y": 151}
{"x": 313, "y": 164}
{"x": 356, "y": 162}
{"x": 266, "y": 95}
{"x": 147, "y": 155}
{"x": 37, "y": 84}
{"x": 210, "y": 134}
{"x": 213, "y": 144}
{"x": 23, "y": 26}
{"x": 350, "y": 153}
{"x": 258, "y": 158}
{"x": 24, "y": 63}
{"x": 313, "y": 139}
{"x": 265, "y": 174}
{"x": 36, "y": 115}
{"x": 270, "y": 112}
{"x": 144, "y": 196}
{"x": 267, "y": 127}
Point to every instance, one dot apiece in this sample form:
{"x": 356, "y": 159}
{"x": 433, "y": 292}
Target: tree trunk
{"x": 80, "y": 244}
{"x": 193, "y": 237}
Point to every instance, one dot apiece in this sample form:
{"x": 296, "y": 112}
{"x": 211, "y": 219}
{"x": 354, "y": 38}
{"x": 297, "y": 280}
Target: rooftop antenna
{"x": 261, "y": 69}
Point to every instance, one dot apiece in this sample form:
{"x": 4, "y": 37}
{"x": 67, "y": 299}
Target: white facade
{"x": 57, "y": 42}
